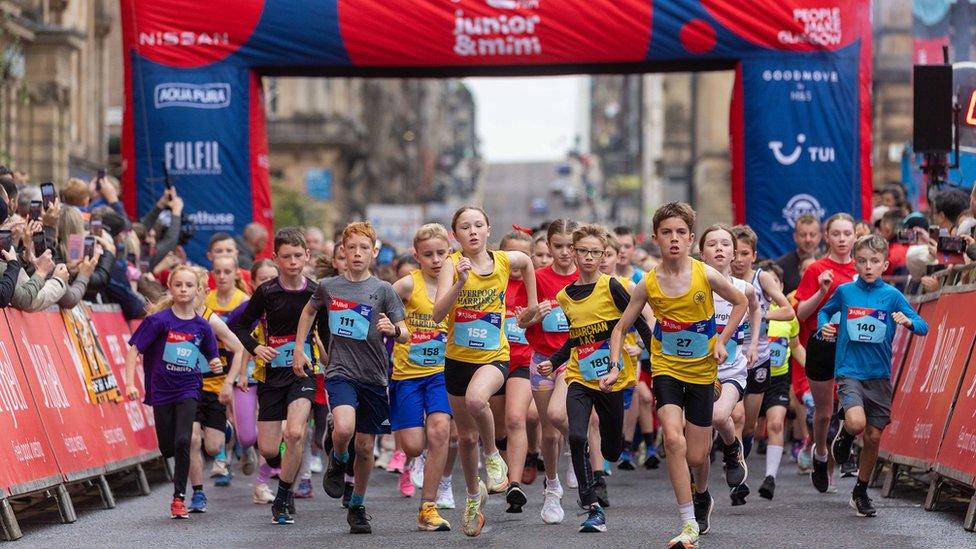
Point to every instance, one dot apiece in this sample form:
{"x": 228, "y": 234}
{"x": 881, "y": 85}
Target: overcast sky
{"x": 526, "y": 118}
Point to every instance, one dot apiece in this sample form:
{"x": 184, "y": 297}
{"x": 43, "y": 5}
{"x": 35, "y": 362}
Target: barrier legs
{"x": 8, "y": 521}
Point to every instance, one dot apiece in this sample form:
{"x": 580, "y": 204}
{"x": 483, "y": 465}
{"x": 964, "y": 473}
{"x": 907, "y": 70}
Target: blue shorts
{"x": 628, "y": 397}
{"x": 413, "y": 399}
{"x": 370, "y": 402}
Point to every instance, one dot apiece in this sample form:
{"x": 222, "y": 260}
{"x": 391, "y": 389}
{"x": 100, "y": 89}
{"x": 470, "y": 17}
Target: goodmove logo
{"x": 802, "y": 204}
{"x": 213, "y": 95}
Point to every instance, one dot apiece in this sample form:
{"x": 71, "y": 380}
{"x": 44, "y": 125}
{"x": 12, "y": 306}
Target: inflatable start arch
{"x": 800, "y": 119}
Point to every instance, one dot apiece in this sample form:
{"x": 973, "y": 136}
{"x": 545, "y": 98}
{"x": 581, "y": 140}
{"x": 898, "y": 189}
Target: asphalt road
{"x": 642, "y": 514}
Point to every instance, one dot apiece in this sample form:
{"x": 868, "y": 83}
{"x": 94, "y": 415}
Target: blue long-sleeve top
{"x": 866, "y": 328}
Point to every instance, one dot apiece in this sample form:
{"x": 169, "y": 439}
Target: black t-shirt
{"x": 278, "y": 310}
{"x": 621, "y": 298}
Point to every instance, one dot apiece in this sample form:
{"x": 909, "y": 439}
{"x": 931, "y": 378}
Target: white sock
{"x": 773, "y": 456}
{"x": 687, "y": 511}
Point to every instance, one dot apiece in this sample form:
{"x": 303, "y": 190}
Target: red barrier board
{"x": 113, "y": 332}
{"x": 924, "y": 397}
{"x": 27, "y": 460}
{"x": 59, "y": 390}
{"x": 957, "y": 455}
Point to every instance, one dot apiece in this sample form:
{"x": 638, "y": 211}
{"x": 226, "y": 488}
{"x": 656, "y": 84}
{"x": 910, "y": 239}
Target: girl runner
{"x": 547, "y": 332}
{"x": 471, "y": 296}
{"x": 171, "y": 340}
{"x": 819, "y": 281}
{"x": 593, "y": 305}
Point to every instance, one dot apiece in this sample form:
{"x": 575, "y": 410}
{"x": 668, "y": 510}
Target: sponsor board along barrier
{"x": 62, "y": 409}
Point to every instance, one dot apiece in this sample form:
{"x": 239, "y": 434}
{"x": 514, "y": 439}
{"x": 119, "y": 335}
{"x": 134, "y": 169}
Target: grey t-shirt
{"x": 356, "y": 348}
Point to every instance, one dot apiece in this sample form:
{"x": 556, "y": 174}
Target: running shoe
{"x": 600, "y": 488}
{"x": 198, "y": 502}
{"x": 445, "y": 494}
{"x": 687, "y": 539}
{"x": 249, "y": 461}
{"x": 841, "y": 447}
{"x": 768, "y": 487}
{"x": 571, "y": 481}
{"x": 358, "y": 520}
{"x": 406, "y": 486}
{"x": 819, "y": 477}
{"x": 332, "y": 481}
{"x": 704, "y": 505}
{"x": 347, "y": 494}
{"x": 738, "y": 494}
{"x": 219, "y": 468}
{"x": 398, "y": 463}
{"x": 515, "y": 498}
{"x": 552, "y": 508}
{"x": 429, "y": 520}
{"x": 497, "y": 471}
{"x": 735, "y": 467}
{"x": 304, "y": 489}
{"x": 279, "y": 513}
{"x": 417, "y": 470}
{"x": 863, "y": 505}
{"x": 626, "y": 461}
{"x": 651, "y": 458}
{"x": 262, "y": 494}
{"x": 531, "y": 469}
{"x": 177, "y": 509}
{"x": 315, "y": 466}
{"x": 596, "y": 519}
{"x": 473, "y": 519}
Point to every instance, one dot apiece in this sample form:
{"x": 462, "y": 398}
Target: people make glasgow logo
{"x": 212, "y": 95}
{"x": 802, "y": 204}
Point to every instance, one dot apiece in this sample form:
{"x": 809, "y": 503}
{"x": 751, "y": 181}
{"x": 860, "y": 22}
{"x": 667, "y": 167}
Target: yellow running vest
{"x": 685, "y": 333}
{"x": 591, "y": 320}
{"x": 423, "y": 355}
{"x": 474, "y": 324}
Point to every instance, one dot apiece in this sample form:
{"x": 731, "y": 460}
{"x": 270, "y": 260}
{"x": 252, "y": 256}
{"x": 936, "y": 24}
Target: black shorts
{"x": 778, "y": 393}
{"x": 210, "y": 412}
{"x": 821, "y": 354}
{"x": 696, "y": 400}
{"x": 458, "y": 374}
{"x": 273, "y": 402}
{"x": 758, "y": 381}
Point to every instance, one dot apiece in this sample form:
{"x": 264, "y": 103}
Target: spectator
{"x": 807, "y": 236}
{"x": 253, "y": 242}
{"x": 948, "y": 207}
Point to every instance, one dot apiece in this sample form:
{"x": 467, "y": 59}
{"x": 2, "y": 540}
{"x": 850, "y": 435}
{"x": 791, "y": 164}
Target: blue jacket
{"x": 866, "y": 328}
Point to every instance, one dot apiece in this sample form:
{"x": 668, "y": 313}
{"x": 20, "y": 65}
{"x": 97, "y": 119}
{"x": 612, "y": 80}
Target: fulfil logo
{"x": 213, "y": 95}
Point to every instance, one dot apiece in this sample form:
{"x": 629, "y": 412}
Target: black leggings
{"x": 580, "y": 401}
{"x": 174, "y": 427}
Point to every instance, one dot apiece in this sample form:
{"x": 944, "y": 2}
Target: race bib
{"x": 513, "y": 332}
{"x": 285, "y": 345}
{"x": 181, "y": 350}
{"x": 594, "y": 359}
{"x": 866, "y": 325}
{"x": 477, "y": 329}
{"x": 778, "y": 349}
{"x": 555, "y": 321}
{"x": 349, "y": 319}
{"x": 427, "y": 348}
{"x": 685, "y": 339}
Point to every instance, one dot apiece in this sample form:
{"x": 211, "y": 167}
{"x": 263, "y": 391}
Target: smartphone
{"x": 95, "y": 225}
{"x": 35, "y": 210}
{"x": 39, "y": 245}
{"x": 89, "y": 247}
{"x": 47, "y": 194}
{"x": 76, "y": 247}
{"x": 6, "y": 239}
{"x": 98, "y": 180}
